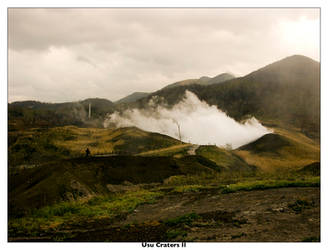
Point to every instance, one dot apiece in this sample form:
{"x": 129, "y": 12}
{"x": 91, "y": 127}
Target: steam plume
{"x": 199, "y": 123}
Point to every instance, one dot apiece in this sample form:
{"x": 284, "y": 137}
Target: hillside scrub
{"x": 99, "y": 207}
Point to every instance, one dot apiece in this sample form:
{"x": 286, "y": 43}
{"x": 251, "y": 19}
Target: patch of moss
{"x": 51, "y": 217}
{"x": 266, "y": 184}
{"x": 175, "y": 233}
{"x": 185, "y": 220}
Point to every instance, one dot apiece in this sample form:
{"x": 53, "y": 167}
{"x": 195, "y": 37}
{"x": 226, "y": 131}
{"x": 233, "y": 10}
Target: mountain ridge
{"x": 204, "y": 80}
{"x": 135, "y": 96}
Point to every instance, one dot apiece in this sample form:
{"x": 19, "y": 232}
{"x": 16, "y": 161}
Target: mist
{"x": 199, "y": 123}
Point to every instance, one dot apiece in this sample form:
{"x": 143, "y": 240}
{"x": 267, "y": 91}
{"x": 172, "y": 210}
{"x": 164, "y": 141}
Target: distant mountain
{"x": 36, "y": 105}
{"x": 27, "y": 114}
{"x": 204, "y": 80}
{"x": 132, "y": 97}
{"x": 286, "y": 91}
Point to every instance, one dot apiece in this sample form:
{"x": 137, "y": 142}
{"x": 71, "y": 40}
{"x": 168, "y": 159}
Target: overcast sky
{"x": 58, "y": 55}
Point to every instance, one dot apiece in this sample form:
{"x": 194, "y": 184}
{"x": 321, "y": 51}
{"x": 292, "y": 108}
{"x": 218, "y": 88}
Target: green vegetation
{"x": 185, "y": 219}
{"x": 175, "y": 233}
{"x": 36, "y": 146}
{"x": 265, "y": 184}
{"x": 236, "y": 183}
{"x": 188, "y": 188}
{"x": 99, "y": 207}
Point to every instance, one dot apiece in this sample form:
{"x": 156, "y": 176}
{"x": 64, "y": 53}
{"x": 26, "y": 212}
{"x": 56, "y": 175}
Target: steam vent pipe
{"x": 89, "y": 110}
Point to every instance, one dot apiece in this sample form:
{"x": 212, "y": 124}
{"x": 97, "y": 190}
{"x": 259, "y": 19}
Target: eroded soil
{"x": 272, "y": 215}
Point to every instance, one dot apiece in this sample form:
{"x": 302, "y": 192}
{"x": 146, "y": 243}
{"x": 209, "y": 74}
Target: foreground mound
{"x": 84, "y": 177}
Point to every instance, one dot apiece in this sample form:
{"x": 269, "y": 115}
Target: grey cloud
{"x": 71, "y": 54}
{"x": 41, "y": 28}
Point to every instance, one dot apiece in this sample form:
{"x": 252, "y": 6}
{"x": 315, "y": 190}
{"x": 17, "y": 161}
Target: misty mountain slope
{"x": 37, "y": 114}
{"x": 132, "y": 97}
{"x": 204, "y": 80}
{"x": 287, "y": 91}
{"x": 282, "y": 151}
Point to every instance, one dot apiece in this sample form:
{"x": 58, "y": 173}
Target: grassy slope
{"x": 224, "y": 158}
{"x": 36, "y": 146}
{"x": 74, "y": 179}
{"x": 289, "y": 150}
{"x": 126, "y": 140}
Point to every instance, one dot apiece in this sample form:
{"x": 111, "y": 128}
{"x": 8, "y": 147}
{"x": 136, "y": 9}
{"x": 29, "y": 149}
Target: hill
{"x": 27, "y": 114}
{"x": 269, "y": 143}
{"x": 284, "y": 92}
{"x": 281, "y": 151}
{"x": 73, "y": 179}
{"x": 132, "y": 97}
{"x": 225, "y": 159}
{"x": 36, "y": 146}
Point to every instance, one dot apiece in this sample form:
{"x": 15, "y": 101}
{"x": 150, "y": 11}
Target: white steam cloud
{"x": 199, "y": 123}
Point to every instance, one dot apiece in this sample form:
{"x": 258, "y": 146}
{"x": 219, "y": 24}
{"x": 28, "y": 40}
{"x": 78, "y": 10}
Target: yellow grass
{"x": 269, "y": 164}
{"x": 98, "y": 140}
{"x": 301, "y": 152}
{"x": 165, "y": 151}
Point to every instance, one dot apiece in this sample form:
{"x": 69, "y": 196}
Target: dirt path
{"x": 192, "y": 149}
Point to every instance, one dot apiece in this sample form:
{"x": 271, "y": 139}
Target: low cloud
{"x": 199, "y": 123}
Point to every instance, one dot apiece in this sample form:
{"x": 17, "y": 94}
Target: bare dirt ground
{"x": 272, "y": 215}
{"x": 263, "y": 215}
